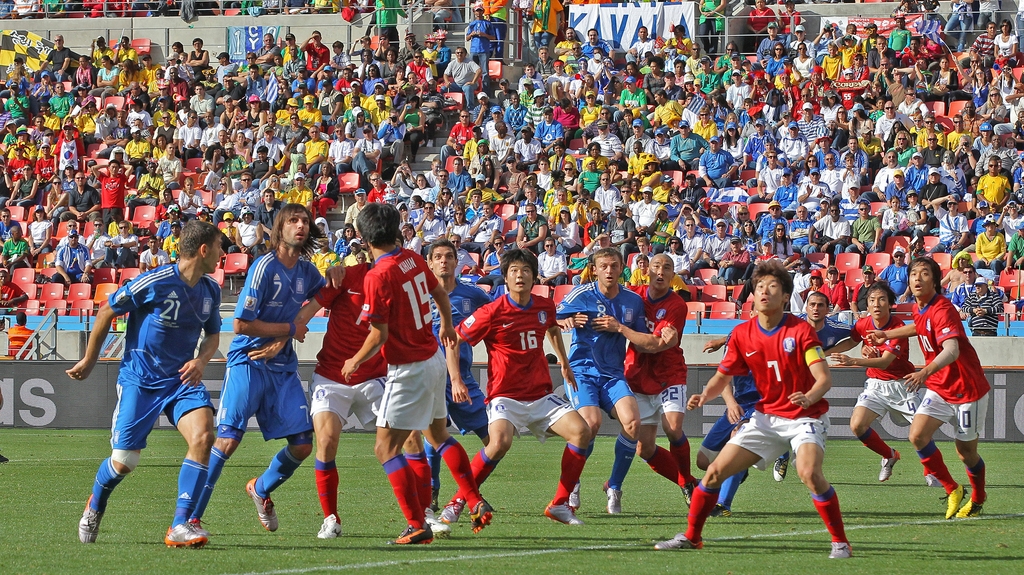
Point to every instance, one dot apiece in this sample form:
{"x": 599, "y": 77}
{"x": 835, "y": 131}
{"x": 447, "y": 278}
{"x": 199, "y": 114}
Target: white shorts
{"x": 652, "y": 407}
{"x": 357, "y": 404}
{"x": 770, "y": 435}
{"x": 892, "y": 397}
{"x": 414, "y": 394}
{"x": 966, "y": 418}
{"x": 535, "y": 416}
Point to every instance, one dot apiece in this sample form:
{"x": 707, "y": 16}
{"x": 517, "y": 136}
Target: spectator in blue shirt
{"x": 800, "y": 229}
{"x": 917, "y": 173}
{"x": 755, "y": 147}
{"x": 787, "y": 193}
{"x": 480, "y": 33}
{"x": 515, "y": 114}
{"x": 897, "y": 189}
{"x": 766, "y": 226}
{"x": 549, "y": 131}
{"x": 459, "y": 179}
{"x": 594, "y": 41}
{"x": 897, "y": 273}
{"x": 717, "y": 166}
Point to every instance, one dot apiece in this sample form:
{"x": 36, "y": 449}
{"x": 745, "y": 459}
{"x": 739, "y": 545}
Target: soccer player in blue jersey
{"x": 268, "y": 387}
{"x": 603, "y": 317}
{"x": 171, "y": 308}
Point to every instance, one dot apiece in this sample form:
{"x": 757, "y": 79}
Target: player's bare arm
{"x": 732, "y": 409}
{"x": 460, "y": 393}
{"x": 260, "y": 328}
{"x": 844, "y": 360}
{"x": 101, "y": 328}
{"x": 822, "y": 383}
{"x": 878, "y": 337}
{"x": 715, "y": 387}
{"x": 845, "y": 345}
{"x": 192, "y": 371}
{"x": 374, "y": 341}
{"x": 554, "y": 335}
{"x": 715, "y": 344}
{"x": 270, "y": 350}
{"x": 950, "y": 352}
{"x": 645, "y": 342}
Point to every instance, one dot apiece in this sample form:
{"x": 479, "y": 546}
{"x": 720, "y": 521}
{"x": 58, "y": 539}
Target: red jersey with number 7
{"x": 345, "y": 335}
{"x": 516, "y": 364}
{"x": 962, "y": 381}
{"x": 651, "y": 373}
{"x": 780, "y": 362}
{"x": 398, "y": 294}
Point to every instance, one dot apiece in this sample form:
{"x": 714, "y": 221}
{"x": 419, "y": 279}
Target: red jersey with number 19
{"x": 398, "y": 293}
{"x": 345, "y": 335}
{"x": 901, "y": 366}
{"x": 779, "y": 360}
{"x": 516, "y": 365}
{"x": 651, "y": 373}
{"x": 962, "y": 381}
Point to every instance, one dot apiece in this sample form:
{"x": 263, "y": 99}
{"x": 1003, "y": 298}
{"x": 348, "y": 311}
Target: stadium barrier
{"x": 39, "y": 394}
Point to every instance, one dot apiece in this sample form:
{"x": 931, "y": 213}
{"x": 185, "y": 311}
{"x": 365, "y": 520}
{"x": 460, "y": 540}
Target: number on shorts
{"x": 813, "y": 431}
{"x": 305, "y": 411}
{"x": 912, "y": 406}
{"x": 925, "y": 344}
{"x": 528, "y": 340}
{"x": 775, "y": 366}
{"x": 417, "y": 291}
{"x": 670, "y": 394}
{"x": 556, "y": 401}
{"x": 965, "y": 419}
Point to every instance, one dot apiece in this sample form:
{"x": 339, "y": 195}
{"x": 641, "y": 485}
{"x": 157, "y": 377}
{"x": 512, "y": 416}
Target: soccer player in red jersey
{"x": 790, "y": 415}
{"x": 519, "y": 390}
{"x": 658, "y": 380}
{"x": 397, "y": 306}
{"x": 957, "y": 389}
{"x": 887, "y": 365}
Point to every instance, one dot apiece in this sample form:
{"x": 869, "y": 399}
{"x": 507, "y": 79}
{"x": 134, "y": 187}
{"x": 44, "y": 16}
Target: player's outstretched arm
{"x": 645, "y": 342}
{"x": 845, "y": 345}
{"x": 950, "y": 352}
{"x": 554, "y": 335}
{"x": 882, "y": 362}
{"x": 879, "y": 337}
{"x": 259, "y": 328}
{"x": 335, "y": 275}
{"x": 100, "y": 330}
{"x": 715, "y": 387}
{"x": 192, "y": 371}
{"x": 460, "y": 393}
{"x": 822, "y": 383}
{"x": 371, "y": 346}
{"x": 715, "y": 344}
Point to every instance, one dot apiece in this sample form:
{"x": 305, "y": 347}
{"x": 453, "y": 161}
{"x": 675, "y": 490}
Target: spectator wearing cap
{"x": 794, "y": 146}
{"x": 982, "y": 307}
{"x": 982, "y": 210}
{"x": 549, "y": 132}
{"x": 774, "y": 217}
{"x": 717, "y": 167}
{"x": 1009, "y": 218}
{"x": 990, "y": 247}
{"x": 1003, "y": 150}
{"x": 661, "y": 148}
{"x": 757, "y": 144}
{"x": 898, "y": 188}
{"x": 687, "y": 147}
{"x": 611, "y": 145}
{"x": 954, "y": 234}
{"x": 766, "y": 48}
{"x": 917, "y": 174}
{"x": 251, "y": 233}
{"x": 811, "y": 125}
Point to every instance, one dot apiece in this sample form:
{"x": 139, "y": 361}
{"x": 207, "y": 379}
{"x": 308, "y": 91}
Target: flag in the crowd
{"x": 272, "y": 89}
{"x": 728, "y": 195}
{"x": 29, "y": 45}
{"x": 930, "y": 28}
{"x": 696, "y": 104}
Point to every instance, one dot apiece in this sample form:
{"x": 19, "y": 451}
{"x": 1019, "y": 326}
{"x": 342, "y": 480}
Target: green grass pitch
{"x": 894, "y": 527}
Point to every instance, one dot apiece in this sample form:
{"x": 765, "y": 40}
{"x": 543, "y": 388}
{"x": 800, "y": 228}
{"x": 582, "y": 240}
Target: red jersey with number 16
{"x": 516, "y": 365}
{"x": 962, "y": 381}
{"x": 779, "y": 360}
{"x": 901, "y": 366}
{"x": 345, "y": 335}
{"x": 651, "y": 373}
{"x": 398, "y": 293}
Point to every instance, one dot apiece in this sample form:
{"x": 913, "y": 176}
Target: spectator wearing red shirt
{"x": 378, "y": 189}
{"x": 113, "y": 185}
{"x": 11, "y": 294}
{"x": 318, "y": 56}
{"x": 461, "y": 133}
{"x": 757, "y": 22}
{"x": 835, "y": 290}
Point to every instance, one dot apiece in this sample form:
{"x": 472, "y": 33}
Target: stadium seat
{"x": 61, "y": 305}
{"x": 31, "y": 290}
{"x": 1009, "y": 312}
{"x": 82, "y": 307}
{"x": 104, "y": 276}
{"x": 877, "y": 208}
{"x": 854, "y": 277}
{"x": 945, "y": 261}
{"x": 820, "y": 258}
{"x": 194, "y": 164}
{"x": 937, "y": 108}
{"x": 561, "y": 292}
{"x": 117, "y": 101}
{"x": 878, "y": 261}
{"x": 144, "y": 215}
{"x": 17, "y": 213}
{"x": 955, "y": 107}
{"x": 892, "y": 242}
{"x": 33, "y": 307}
{"x": 1009, "y": 279}
{"x": 846, "y": 262}
{"x": 51, "y": 291}
{"x": 506, "y": 210}
{"x": 903, "y": 311}
{"x": 458, "y": 97}
{"x": 128, "y": 274}
{"x": 930, "y": 242}
{"x": 713, "y": 293}
{"x": 23, "y": 277}
{"x": 756, "y": 210}
{"x": 348, "y": 183}
{"x": 722, "y": 310}
{"x": 695, "y": 311}
{"x": 495, "y": 70}
{"x": 142, "y": 46}
{"x": 705, "y": 274}
{"x": 103, "y": 292}
{"x": 235, "y": 264}
{"x": 218, "y": 276}
{"x": 541, "y": 290}
{"x": 80, "y": 291}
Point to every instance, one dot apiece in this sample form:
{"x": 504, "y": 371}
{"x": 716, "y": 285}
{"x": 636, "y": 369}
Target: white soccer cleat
{"x": 574, "y": 498}
{"x": 89, "y": 525}
{"x": 932, "y": 481}
{"x": 331, "y": 529}
{"x": 614, "y": 501}
{"x": 198, "y": 526}
{"x": 441, "y": 530}
{"x": 562, "y": 514}
{"x": 887, "y": 464}
{"x": 840, "y": 551}
{"x": 185, "y": 535}
{"x": 780, "y": 468}
{"x": 678, "y": 542}
{"x": 451, "y": 512}
{"x": 264, "y": 507}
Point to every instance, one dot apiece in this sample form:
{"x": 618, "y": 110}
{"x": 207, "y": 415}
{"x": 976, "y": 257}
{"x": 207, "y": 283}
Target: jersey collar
{"x": 390, "y": 254}
{"x": 923, "y": 308}
{"x": 775, "y": 329}
{"x": 517, "y": 306}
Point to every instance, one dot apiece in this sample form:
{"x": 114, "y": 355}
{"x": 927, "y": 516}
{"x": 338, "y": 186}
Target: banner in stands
{"x": 245, "y": 39}
{"x": 885, "y": 25}
{"x": 618, "y": 23}
{"x": 39, "y": 394}
{"x": 29, "y": 45}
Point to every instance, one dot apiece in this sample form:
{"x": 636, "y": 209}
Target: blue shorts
{"x": 471, "y": 416}
{"x": 721, "y": 431}
{"x": 595, "y": 391}
{"x": 276, "y": 399}
{"x": 139, "y": 408}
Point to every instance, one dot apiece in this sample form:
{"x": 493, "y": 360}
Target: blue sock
{"x": 281, "y": 468}
{"x": 435, "y": 464}
{"x": 106, "y": 480}
{"x": 191, "y": 482}
{"x": 590, "y": 448}
{"x": 625, "y": 451}
{"x": 928, "y": 450}
{"x": 729, "y": 488}
{"x": 217, "y": 461}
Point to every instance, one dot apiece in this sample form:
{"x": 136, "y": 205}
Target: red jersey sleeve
{"x": 946, "y": 325}
{"x": 377, "y": 307}
{"x": 325, "y": 297}
{"x": 734, "y": 363}
{"x": 476, "y": 327}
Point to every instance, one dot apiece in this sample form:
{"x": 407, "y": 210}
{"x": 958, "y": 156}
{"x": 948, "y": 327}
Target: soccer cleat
{"x": 970, "y": 509}
{"x": 481, "y": 516}
{"x": 414, "y": 536}
{"x": 840, "y": 551}
{"x": 614, "y": 500}
{"x": 264, "y": 507}
{"x": 688, "y": 491}
{"x": 184, "y": 535}
{"x": 3, "y": 459}
{"x": 574, "y": 498}
{"x": 721, "y": 511}
{"x": 89, "y": 525}
{"x": 451, "y": 512}
{"x": 562, "y": 514}
{"x": 331, "y": 529}
{"x": 678, "y": 542}
{"x": 887, "y": 464}
{"x": 953, "y": 500}
{"x": 197, "y": 524}
{"x": 433, "y": 498}
{"x": 780, "y": 468}
{"x": 931, "y": 481}
{"x": 440, "y": 530}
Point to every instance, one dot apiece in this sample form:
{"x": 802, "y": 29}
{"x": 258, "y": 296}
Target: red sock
{"x": 458, "y": 463}
{"x": 931, "y": 459}
{"x": 701, "y": 505}
{"x": 327, "y": 489}
{"x": 827, "y": 505}
{"x": 680, "y": 450}
{"x": 573, "y": 460}
{"x": 666, "y": 466}
{"x": 420, "y": 466}
{"x": 976, "y": 475}
{"x": 403, "y": 482}
{"x": 875, "y": 443}
{"x": 482, "y": 467}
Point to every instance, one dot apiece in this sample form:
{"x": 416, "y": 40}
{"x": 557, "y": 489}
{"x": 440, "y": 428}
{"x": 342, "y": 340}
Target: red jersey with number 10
{"x": 516, "y": 364}
{"x": 398, "y": 293}
{"x": 345, "y": 335}
{"x": 651, "y": 373}
{"x": 901, "y": 366}
{"x": 779, "y": 360}
{"x": 962, "y": 381}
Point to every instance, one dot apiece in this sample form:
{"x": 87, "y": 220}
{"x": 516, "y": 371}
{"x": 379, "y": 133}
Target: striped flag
{"x": 272, "y": 89}
{"x": 728, "y": 195}
{"x": 696, "y": 104}
{"x": 929, "y": 27}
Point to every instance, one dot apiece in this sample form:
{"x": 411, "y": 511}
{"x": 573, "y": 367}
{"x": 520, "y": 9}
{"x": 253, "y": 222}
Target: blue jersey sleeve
{"x": 255, "y": 290}
{"x": 314, "y": 281}
{"x": 577, "y": 301}
{"x": 213, "y": 323}
{"x": 639, "y": 319}
{"x": 134, "y": 295}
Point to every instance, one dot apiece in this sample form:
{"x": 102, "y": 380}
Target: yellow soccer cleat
{"x": 970, "y": 509}
{"x": 953, "y": 501}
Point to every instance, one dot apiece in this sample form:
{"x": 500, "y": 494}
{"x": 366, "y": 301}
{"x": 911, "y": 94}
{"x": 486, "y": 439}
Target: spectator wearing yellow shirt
{"x": 299, "y": 193}
{"x": 50, "y": 120}
{"x": 125, "y": 52}
{"x": 99, "y": 50}
{"x": 325, "y": 258}
{"x": 171, "y": 242}
{"x": 668, "y": 112}
{"x": 994, "y": 187}
{"x": 86, "y": 121}
{"x": 705, "y": 127}
{"x": 138, "y": 150}
{"x": 317, "y": 150}
{"x": 292, "y": 107}
{"x": 309, "y": 114}
{"x": 990, "y": 247}
{"x": 379, "y": 111}
{"x": 832, "y": 64}
{"x": 561, "y": 199}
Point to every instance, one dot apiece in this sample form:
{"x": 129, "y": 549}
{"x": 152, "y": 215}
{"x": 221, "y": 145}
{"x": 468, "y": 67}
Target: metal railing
{"x": 42, "y": 344}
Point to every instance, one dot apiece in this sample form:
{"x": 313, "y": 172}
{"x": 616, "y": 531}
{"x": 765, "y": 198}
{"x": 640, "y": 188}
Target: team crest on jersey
{"x": 601, "y": 310}
{"x": 928, "y": 325}
{"x": 123, "y": 296}
{"x": 789, "y": 345}
{"x": 467, "y": 306}
{"x": 300, "y": 284}
{"x": 207, "y": 305}
{"x": 250, "y": 303}
{"x": 627, "y": 314}
{"x": 542, "y": 317}
{"x": 660, "y": 314}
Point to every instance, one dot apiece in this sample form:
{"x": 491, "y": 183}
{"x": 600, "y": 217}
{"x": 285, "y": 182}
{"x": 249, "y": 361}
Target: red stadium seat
{"x": 82, "y": 307}
{"x": 104, "y": 276}
{"x": 1009, "y": 278}
{"x": 854, "y": 277}
{"x": 117, "y": 101}
{"x": 945, "y": 261}
{"x": 348, "y": 183}
{"x": 17, "y": 213}
{"x": 722, "y": 310}
{"x": 561, "y": 292}
{"x": 878, "y": 261}
{"x": 80, "y": 291}
{"x": 236, "y": 264}
{"x": 142, "y": 46}
{"x": 218, "y": 275}
{"x": 128, "y": 274}
{"x": 144, "y": 215}
{"x": 51, "y": 291}
{"x": 846, "y": 262}
{"x": 23, "y": 277}
{"x": 31, "y": 290}
{"x": 891, "y": 243}
{"x": 820, "y": 258}
{"x": 495, "y": 70}
{"x": 541, "y": 290}
{"x": 695, "y": 311}
{"x": 1009, "y": 312}
{"x": 33, "y": 307}
{"x": 103, "y": 292}
{"x": 61, "y": 305}
{"x": 714, "y": 293}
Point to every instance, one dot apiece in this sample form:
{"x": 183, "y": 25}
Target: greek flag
{"x": 272, "y": 88}
{"x": 696, "y": 104}
{"x": 728, "y": 195}
{"x": 929, "y": 27}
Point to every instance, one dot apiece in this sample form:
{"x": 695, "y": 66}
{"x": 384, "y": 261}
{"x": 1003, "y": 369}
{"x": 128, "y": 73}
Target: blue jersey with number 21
{"x": 598, "y": 353}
